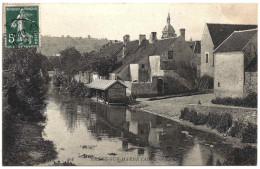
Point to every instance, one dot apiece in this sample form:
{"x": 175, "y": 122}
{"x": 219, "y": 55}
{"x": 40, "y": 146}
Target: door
{"x": 160, "y": 86}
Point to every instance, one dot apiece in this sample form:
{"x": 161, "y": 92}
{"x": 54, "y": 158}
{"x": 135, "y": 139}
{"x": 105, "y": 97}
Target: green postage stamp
{"x": 22, "y": 25}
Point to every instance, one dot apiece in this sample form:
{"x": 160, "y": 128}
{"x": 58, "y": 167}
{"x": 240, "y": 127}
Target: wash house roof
{"x": 219, "y": 32}
{"x": 236, "y": 41}
{"x": 101, "y": 84}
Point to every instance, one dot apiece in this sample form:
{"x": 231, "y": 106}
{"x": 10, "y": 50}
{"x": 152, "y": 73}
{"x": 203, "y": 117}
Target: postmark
{"x": 22, "y": 26}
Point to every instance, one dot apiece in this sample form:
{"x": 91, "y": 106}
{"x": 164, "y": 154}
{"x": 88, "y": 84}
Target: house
{"x": 110, "y": 91}
{"x": 236, "y": 65}
{"x": 213, "y": 35}
{"x": 152, "y": 66}
{"x": 196, "y": 48}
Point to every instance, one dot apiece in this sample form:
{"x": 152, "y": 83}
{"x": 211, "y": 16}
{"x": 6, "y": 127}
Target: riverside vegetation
{"x": 223, "y": 123}
{"x": 24, "y": 88}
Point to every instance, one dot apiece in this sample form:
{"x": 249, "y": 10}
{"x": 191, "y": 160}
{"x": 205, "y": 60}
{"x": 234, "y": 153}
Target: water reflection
{"x": 76, "y": 124}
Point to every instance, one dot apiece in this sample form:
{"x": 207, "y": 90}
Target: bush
{"x": 249, "y": 133}
{"x": 213, "y": 120}
{"x": 202, "y": 119}
{"x": 225, "y": 123}
{"x": 249, "y": 101}
{"x": 184, "y": 113}
{"x": 236, "y": 129}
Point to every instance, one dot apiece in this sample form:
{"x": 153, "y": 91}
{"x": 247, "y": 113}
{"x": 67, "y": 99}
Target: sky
{"x": 113, "y": 21}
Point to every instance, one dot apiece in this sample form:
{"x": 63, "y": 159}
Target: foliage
{"x": 249, "y": 101}
{"x": 69, "y": 60}
{"x": 206, "y": 82}
{"x": 245, "y": 156}
{"x": 24, "y": 90}
{"x": 59, "y": 80}
{"x": 79, "y": 89}
{"x": 250, "y": 133}
{"x": 221, "y": 122}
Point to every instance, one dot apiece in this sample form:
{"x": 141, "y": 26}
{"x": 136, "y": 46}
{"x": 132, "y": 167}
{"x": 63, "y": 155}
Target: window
{"x": 170, "y": 54}
{"x": 142, "y": 66}
{"x": 213, "y": 60}
{"x": 207, "y": 57}
{"x": 218, "y": 84}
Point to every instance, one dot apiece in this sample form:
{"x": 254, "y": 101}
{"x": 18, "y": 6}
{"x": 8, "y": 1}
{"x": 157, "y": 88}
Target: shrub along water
{"x": 249, "y": 101}
{"x": 223, "y": 123}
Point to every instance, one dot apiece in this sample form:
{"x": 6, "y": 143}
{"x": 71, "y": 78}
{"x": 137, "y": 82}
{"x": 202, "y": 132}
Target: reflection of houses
{"x": 157, "y": 66}
{"x": 212, "y": 37}
{"x": 236, "y": 65}
{"x": 111, "y": 91}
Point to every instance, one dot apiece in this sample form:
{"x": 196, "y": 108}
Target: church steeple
{"x": 168, "y": 30}
{"x": 168, "y": 18}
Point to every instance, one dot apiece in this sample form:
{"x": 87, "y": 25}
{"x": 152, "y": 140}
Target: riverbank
{"x": 171, "y": 109}
{"x": 26, "y": 145}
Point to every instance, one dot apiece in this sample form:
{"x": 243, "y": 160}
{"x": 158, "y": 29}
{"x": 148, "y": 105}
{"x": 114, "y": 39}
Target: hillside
{"x": 52, "y": 45}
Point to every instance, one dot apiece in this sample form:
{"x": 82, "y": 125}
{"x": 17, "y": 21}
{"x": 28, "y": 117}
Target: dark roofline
{"x": 215, "y": 51}
{"x": 219, "y": 32}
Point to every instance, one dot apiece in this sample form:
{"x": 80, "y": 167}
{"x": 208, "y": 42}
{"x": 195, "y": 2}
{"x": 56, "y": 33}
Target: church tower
{"x": 168, "y": 30}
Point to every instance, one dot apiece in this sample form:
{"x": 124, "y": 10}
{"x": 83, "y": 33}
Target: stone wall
{"x": 241, "y": 113}
{"x": 250, "y": 83}
{"x": 229, "y": 74}
{"x": 207, "y": 47}
{"x": 143, "y": 89}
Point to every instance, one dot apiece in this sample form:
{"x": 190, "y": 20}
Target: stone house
{"x": 236, "y": 65}
{"x": 153, "y": 66}
{"x": 213, "y": 35}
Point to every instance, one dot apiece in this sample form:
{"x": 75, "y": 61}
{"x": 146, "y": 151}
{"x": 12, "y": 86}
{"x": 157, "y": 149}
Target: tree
{"x": 70, "y": 58}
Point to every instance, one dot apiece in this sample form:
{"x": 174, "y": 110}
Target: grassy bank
{"x": 223, "y": 122}
{"x": 23, "y": 145}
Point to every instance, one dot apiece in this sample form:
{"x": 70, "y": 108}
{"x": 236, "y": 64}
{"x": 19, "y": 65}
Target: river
{"x": 85, "y": 132}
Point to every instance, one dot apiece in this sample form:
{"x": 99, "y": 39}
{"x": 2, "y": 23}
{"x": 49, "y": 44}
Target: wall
{"x": 144, "y": 74}
{"x": 250, "y": 83}
{"x": 128, "y": 84}
{"x": 241, "y": 113}
{"x": 206, "y": 46}
{"x": 184, "y": 61}
{"x": 229, "y": 73}
{"x": 155, "y": 66}
{"x": 117, "y": 93}
{"x": 112, "y": 76}
{"x": 134, "y": 72}
{"x": 250, "y": 51}
{"x": 143, "y": 89}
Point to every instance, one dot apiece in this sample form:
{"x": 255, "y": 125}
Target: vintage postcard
{"x": 130, "y": 84}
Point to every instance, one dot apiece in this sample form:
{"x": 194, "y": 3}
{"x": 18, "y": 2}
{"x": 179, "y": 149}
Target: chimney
{"x": 182, "y": 31}
{"x": 126, "y": 39}
{"x": 153, "y": 37}
{"x": 142, "y": 38}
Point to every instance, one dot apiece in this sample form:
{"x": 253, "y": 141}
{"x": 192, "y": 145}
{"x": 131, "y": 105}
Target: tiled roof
{"x": 103, "y": 84}
{"x": 112, "y": 49}
{"x": 145, "y": 49}
{"x": 236, "y": 41}
{"x": 219, "y": 32}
